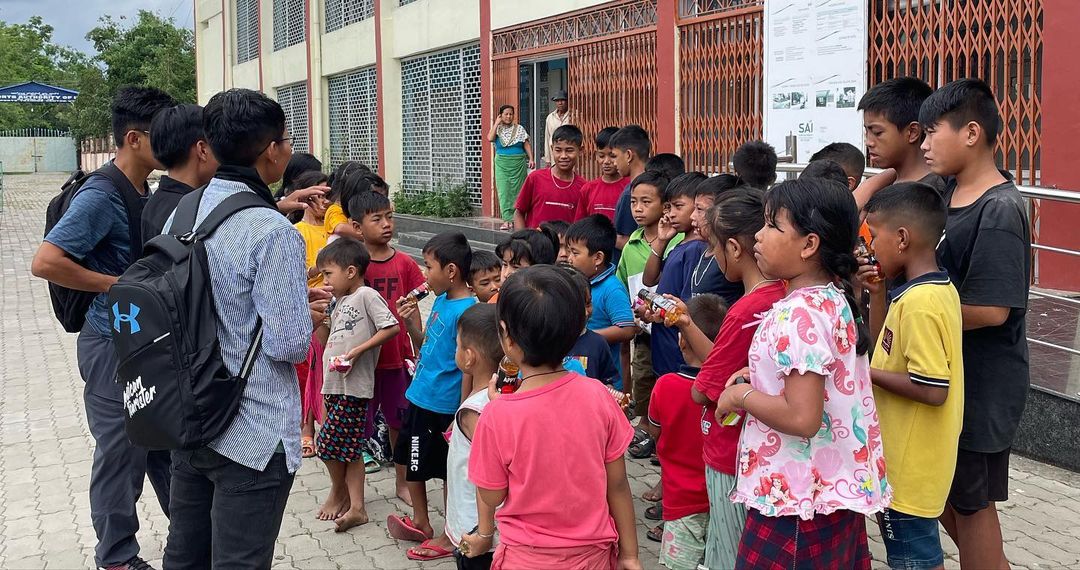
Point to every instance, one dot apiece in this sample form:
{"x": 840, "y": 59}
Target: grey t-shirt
{"x": 355, "y": 319}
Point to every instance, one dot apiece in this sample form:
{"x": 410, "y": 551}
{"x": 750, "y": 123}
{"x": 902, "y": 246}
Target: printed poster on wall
{"x": 815, "y": 73}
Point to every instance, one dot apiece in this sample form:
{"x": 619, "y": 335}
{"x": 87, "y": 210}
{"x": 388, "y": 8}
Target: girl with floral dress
{"x": 810, "y": 464}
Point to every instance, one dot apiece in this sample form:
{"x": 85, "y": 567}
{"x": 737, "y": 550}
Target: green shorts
{"x": 726, "y": 521}
{"x": 683, "y": 545}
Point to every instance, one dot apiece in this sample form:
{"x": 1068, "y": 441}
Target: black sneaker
{"x": 133, "y": 564}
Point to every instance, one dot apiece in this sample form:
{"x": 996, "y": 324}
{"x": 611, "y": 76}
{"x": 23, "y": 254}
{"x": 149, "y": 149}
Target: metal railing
{"x": 1029, "y": 193}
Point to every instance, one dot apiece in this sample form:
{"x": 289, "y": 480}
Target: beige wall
{"x": 430, "y": 25}
{"x": 506, "y": 13}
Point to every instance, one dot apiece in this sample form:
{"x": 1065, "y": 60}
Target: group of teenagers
{"x": 788, "y": 382}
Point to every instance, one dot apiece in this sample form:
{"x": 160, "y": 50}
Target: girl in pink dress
{"x": 810, "y": 456}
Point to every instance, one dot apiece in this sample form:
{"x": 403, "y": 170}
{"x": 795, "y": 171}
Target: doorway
{"x": 538, "y": 81}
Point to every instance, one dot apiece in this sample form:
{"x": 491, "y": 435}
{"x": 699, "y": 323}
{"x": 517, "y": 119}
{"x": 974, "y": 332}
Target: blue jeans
{"x": 911, "y": 542}
{"x": 224, "y": 515}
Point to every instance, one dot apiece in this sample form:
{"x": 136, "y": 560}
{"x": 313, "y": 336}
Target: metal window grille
{"x": 353, "y": 108}
{"x": 440, "y": 103}
{"x": 289, "y": 23}
{"x": 404, "y": 2}
{"x": 341, "y": 13}
{"x": 247, "y": 30}
{"x": 293, "y": 100}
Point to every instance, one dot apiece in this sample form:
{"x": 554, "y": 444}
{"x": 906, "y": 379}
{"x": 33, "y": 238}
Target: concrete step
{"x": 477, "y": 230}
{"x": 412, "y": 244}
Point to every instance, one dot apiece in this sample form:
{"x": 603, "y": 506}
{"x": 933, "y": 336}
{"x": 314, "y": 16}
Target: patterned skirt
{"x": 342, "y": 435}
{"x": 826, "y": 542}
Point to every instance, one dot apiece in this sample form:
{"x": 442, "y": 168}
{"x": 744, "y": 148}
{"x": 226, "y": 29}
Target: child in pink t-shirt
{"x": 810, "y": 457}
{"x": 565, "y": 498}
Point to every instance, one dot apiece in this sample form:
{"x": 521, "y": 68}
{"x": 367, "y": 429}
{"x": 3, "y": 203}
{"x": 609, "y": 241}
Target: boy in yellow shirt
{"x": 917, "y": 369}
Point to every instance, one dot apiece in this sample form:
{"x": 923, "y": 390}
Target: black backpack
{"x": 177, "y": 392}
{"x": 70, "y": 305}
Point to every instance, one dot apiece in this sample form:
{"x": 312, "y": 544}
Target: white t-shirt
{"x": 355, "y": 319}
{"x": 461, "y": 515}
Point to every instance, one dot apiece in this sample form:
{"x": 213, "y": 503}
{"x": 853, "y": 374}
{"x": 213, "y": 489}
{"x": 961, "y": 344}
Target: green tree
{"x": 152, "y": 51}
{"x": 27, "y": 53}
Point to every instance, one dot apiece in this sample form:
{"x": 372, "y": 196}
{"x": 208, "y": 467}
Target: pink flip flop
{"x": 402, "y": 528}
{"x": 439, "y": 551}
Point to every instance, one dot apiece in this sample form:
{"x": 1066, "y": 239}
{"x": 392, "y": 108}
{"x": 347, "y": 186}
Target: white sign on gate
{"x": 815, "y": 73}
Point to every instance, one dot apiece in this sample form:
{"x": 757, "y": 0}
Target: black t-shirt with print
{"x": 987, "y": 252}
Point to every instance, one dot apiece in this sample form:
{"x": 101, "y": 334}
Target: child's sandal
{"x": 307, "y": 446}
{"x": 656, "y": 534}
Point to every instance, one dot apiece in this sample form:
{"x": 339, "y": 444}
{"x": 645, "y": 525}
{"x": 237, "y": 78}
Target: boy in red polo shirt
{"x": 675, "y": 422}
{"x": 552, "y": 193}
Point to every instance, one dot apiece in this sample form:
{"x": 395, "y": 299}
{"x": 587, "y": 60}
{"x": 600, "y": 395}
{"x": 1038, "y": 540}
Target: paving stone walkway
{"x": 45, "y": 451}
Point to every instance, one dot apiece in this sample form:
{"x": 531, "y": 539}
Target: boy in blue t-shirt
{"x": 591, "y": 241}
{"x": 590, "y": 356}
{"x": 435, "y": 391}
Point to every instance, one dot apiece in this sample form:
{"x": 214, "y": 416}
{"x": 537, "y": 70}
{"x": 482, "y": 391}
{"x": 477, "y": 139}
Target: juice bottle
{"x": 864, "y": 250}
{"x": 507, "y": 380}
{"x": 419, "y": 293}
{"x": 665, "y": 308}
{"x": 733, "y": 418}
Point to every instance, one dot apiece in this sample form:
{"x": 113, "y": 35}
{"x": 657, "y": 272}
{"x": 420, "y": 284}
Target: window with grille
{"x": 341, "y": 13}
{"x": 289, "y": 23}
{"x": 404, "y": 2}
{"x": 293, "y": 100}
{"x": 440, "y": 103}
{"x": 247, "y": 30}
{"x": 352, "y": 101}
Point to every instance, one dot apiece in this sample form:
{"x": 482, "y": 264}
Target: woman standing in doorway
{"x": 513, "y": 160}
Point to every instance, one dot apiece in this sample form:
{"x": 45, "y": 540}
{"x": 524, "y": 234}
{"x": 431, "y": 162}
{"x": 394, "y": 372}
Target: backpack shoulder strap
{"x": 187, "y": 210}
{"x": 132, "y": 203}
{"x": 240, "y": 201}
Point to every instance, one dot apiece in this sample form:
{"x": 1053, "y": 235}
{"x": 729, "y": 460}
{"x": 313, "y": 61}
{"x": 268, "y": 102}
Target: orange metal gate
{"x": 999, "y": 41}
{"x": 720, "y": 78}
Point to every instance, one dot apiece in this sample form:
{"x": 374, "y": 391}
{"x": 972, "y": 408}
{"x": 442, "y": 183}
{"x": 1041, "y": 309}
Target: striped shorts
{"x": 726, "y": 522}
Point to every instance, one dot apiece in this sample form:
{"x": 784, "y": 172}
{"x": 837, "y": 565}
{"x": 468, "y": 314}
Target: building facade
{"x": 409, "y": 87}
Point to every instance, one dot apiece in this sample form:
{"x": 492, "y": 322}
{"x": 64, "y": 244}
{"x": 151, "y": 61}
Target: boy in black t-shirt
{"x": 986, "y": 250}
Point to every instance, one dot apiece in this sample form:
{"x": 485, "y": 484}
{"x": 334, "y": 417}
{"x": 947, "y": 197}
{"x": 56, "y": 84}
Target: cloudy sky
{"x": 71, "y": 19}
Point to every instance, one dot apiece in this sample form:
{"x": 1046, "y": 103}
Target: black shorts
{"x": 981, "y": 479}
{"x": 421, "y": 446}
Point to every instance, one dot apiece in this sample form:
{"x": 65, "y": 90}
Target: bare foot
{"x": 655, "y": 494}
{"x": 427, "y": 549}
{"x": 403, "y": 494}
{"x": 336, "y": 505}
{"x": 351, "y": 518}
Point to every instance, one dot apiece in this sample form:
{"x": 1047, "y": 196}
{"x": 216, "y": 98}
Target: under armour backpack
{"x": 70, "y": 305}
{"x": 177, "y": 391}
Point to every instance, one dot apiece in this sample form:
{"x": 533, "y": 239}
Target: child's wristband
{"x": 742, "y": 402}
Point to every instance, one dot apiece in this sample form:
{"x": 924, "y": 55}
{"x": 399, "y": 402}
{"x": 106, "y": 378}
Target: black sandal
{"x": 655, "y": 512}
{"x": 643, "y": 449}
{"x": 639, "y": 436}
{"x": 656, "y": 534}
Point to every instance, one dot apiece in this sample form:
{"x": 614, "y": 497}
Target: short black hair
{"x": 567, "y": 133}
{"x": 451, "y": 248}
{"x": 581, "y": 281}
{"x": 755, "y": 163}
{"x": 827, "y": 169}
{"x": 540, "y": 307}
{"x": 484, "y": 260}
{"x": 354, "y": 184}
{"x": 300, "y": 163}
{"x": 133, "y": 108}
{"x": 343, "y": 252}
{"x": 653, "y": 178}
{"x": 478, "y": 328}
{"x": 961, "y": 102}
{"x": 304, "y": 180}
{"x": 897, "y": 99}
{"x": 240, "y": 124}
{"x": 539, "y": 246}
{"x": 378, "y": 184}
{"x": 603, "y": 138}
{"x": 668, "y": 164}
{"x": 505, "y": 107}
{"x": 707, "y": 311}
{"x": 596, "y": 232}
{"x": 558, "y": 227}
{"x": 685, "y": 185}
{"x": 364, "y": 203}
{"x": 173, "y": 132}
{"x": 632, "y": 137}
{"x": 912, "y": 204}
{"x": 340, "y": 175}
{"x": 846, "y": 155}
{"x": 720, "y": 184}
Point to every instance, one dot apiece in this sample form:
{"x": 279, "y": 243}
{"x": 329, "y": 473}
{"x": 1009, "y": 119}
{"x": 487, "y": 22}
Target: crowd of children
{"x": 788, "y": 382}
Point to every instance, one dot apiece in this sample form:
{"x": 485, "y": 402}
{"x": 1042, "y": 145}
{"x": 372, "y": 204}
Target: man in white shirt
{"x": 557, "y": 118}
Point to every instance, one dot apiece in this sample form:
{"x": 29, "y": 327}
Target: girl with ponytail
{"x": 810, "y": 462}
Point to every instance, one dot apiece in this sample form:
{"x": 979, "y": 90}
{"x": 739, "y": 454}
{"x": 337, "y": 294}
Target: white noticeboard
{"x": 815, "y": 73}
